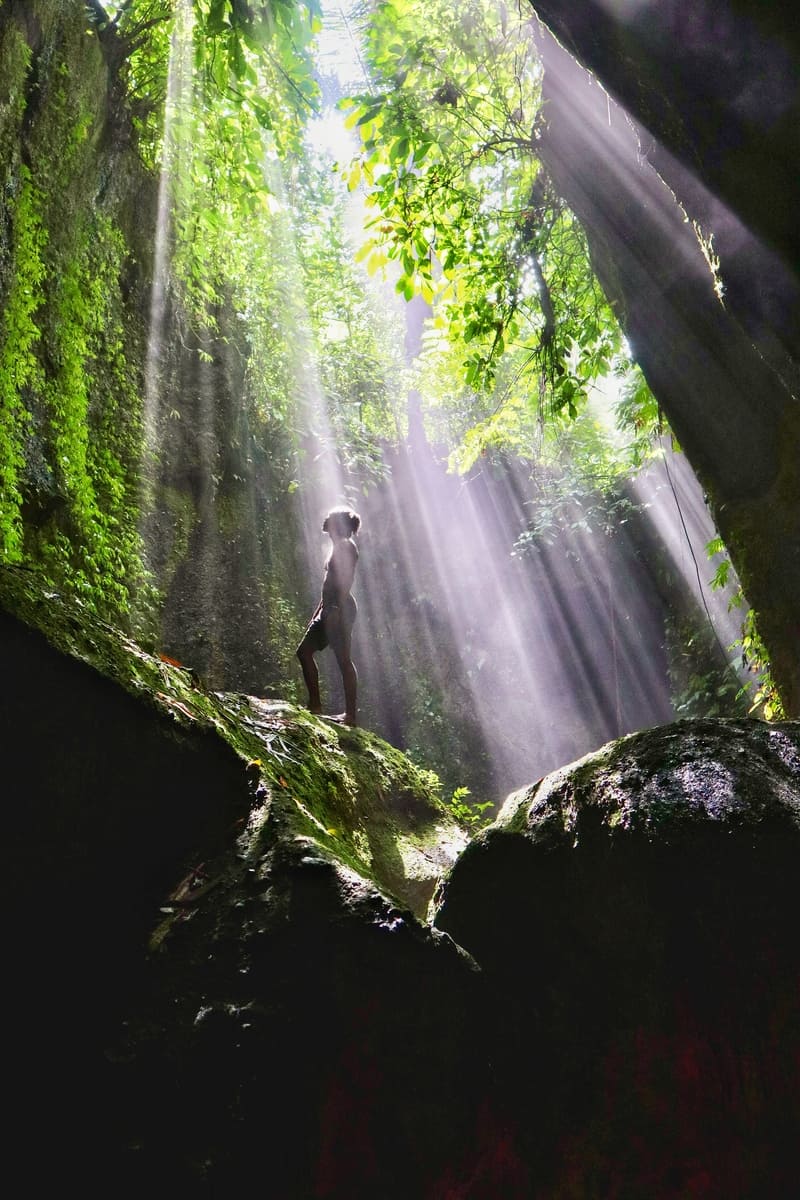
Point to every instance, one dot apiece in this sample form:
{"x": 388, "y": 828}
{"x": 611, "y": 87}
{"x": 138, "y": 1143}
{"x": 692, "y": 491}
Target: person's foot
{"x": 343, "y": 719}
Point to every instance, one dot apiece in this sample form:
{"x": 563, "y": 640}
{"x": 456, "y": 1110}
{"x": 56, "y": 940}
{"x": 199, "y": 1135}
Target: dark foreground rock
{"x": 637, "y": 917}
{"x": 215, "y": 971}
{"x": 219, "y": 978}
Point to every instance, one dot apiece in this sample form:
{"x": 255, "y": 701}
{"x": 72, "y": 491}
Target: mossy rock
{"x": 355, "y": 797}
{"x": 635, "y": 914}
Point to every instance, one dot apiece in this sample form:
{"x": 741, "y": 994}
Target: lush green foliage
{"x": 763, "y": 698}
{"x": 766, "y": 699}
{"x": 222, "y": 91}
{"x": 359, "y": 356}
{"x": 19, "y": 366}
{"x": 252, "y": 222}
{"x": 463, "y": 206}
{"x": 69, "y": 433}
{"x": 699, "y": 687}
{"x": 249, "y": 61}
{"x": 253, "y": 256}
{"x": 473, "y": 815}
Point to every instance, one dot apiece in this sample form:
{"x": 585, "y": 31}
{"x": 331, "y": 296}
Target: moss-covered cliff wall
{"x": 74, "y": 251}
{"x": 144, "y": 484}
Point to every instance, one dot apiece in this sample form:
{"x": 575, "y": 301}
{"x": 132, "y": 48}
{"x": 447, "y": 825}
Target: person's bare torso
{"x": 338, "y": 577}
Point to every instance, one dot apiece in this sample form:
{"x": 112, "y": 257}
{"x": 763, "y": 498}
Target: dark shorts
{"x": 331, "y": 628}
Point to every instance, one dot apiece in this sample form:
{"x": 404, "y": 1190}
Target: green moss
{"x": 70, "y": 429}
{"x": 355, "y": 796}
{"x": 90, "y": 402}
{"x": 282, "y": 634}
{"x": 658, "y": 784}
{"x": 15, "y": 60}
{"x": 230, "y": 515}
{"x": 20, "y": 368}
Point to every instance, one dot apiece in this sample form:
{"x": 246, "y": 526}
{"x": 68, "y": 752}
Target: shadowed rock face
{"x": 606, "y": 1004}
{"x": 201, "y": 992}
{"x": 305, "y": 1033}
{"x": 636, "y": 916}
{"x": 712, "y": 89}
{"x": 715, "y": 81}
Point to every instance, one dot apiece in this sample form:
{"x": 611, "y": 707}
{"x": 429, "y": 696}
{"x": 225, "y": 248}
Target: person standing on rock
{"x": 332, "y": 622}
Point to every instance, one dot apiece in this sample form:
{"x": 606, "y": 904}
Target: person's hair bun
{"x": 343, "y": 519}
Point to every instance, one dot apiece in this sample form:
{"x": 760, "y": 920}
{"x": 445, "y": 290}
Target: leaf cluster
{"x": 251, "y": 55}
{"x": 463, "y": 209}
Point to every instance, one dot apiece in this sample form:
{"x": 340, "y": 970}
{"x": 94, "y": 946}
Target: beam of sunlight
{"x": 598, "y": 162}
{"x": 323, "y": 482}
{"x": 319, "y": 467}
{"x": 180, "y": 88}
{"x": 552, "y": 656}
{"x": 676, "y": 511}
{"x": 549, "y": 655}
{"x": 679, "y": 516}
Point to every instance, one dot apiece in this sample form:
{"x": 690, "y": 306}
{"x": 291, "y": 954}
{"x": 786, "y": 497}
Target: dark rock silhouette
{"x": 635, "y": 915}
{"x": 209, "y": 988}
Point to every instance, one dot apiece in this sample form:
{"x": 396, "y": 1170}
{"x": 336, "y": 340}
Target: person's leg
{"x": 305, "y": 653}
{"x": 341, "y": 648}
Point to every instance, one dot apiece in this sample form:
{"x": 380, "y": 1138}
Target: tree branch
{"x": 97, "y": 14}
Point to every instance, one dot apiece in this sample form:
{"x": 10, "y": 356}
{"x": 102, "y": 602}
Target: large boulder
{"x": 220, "y": 974}
{"x": 303, "y": 1031}
{"x": 715, "y": 82}
{"x": 216, "y": 967}
{"x": 636, "y": 917}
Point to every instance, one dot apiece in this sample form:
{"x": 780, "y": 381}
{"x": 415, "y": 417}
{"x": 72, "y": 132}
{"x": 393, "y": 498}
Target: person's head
{"x": 341, "y": 522}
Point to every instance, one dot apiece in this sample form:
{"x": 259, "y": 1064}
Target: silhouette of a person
{"x": 332, "y": 621}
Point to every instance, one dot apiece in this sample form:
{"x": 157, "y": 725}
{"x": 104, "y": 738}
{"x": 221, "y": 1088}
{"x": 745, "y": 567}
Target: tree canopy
{"x": 521, "y": 357}
{"x": 449, "y": 130}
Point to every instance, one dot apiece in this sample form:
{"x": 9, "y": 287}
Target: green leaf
{"x": 216, "y": 22}
{"x": 400, "y": 150}
{"x": 353, "y": 115}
